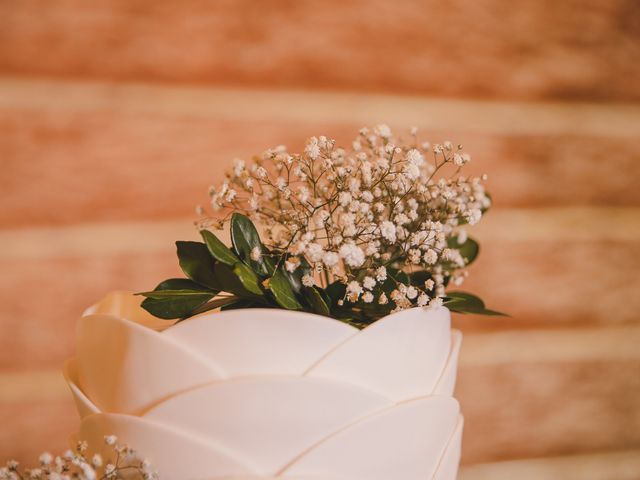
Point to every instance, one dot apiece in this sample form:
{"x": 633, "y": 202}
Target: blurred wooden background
{"x": 115, "y": 116}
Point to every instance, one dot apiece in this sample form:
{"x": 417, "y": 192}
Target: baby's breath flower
{"x": 435, "y": 302}
{"x": 388, "y": 231}
{"x": 354, "y": 289}
{"x": 473, "y": 216}
{"x": 110, "y": 470}
{"x": 362, "y": 214}
{"x": 430, "y": 257}
{"x": 367, "y": 297}
{"x": 96, "y": 460}
{"x": 256, "y": 254}
{"x": 381, "y": 273}
{"x": 368, "y": 282}
{"x": 124, "y": 464}
{"x": 423, "y": 300}
{"x": 352, "y": 255}
{"x": 292, "y": 264}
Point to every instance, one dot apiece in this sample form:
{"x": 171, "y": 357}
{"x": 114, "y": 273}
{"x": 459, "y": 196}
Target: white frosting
{"x": 266, "y": 394}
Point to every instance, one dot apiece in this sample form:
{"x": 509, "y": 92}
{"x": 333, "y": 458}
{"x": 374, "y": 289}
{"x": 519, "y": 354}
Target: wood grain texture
{"x": 32, "y": 427}
{"x": 63, "y": 167}
{"x": 493, "y": 48}
{"x": 507, "y": 117}
{"x": 40, "y": 333}
{"x": 549, "y": 408}
{"x": 622, "y": 465}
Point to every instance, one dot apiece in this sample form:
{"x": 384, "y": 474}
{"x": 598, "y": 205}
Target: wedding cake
{"x": 315, "y": 344}
{"x": 263, "y": 393}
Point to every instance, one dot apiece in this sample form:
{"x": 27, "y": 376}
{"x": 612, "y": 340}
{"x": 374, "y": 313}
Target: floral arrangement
{"x": 354, "y": 234}
{"x": 123, "y": 462}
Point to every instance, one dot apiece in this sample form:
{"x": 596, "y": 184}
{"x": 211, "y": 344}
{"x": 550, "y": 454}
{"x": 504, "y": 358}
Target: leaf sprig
{"x": 249, "y": 275}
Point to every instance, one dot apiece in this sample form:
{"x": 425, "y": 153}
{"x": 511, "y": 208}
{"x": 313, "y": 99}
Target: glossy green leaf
{"x": 231, "y": 282}
{"x": 336, "y": 291}
{"x": 418, "y": 278}
{"x": 283, "y": 292}
{"x": 469, "y": 249}
{"x": 463, "y": 302}
{"x": 248, "y": 278}
{"x": 243, "y": 304}
{"x": 315, "y": 301}
{"x": 463, "y": 298}
{"x": 219, "y": 250}
{"x": 176, "y": 298}
{"x": 244, "y": 237}
{"x": 197, "y": 263}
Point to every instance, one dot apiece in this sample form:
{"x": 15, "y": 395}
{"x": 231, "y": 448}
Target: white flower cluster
{"x": 75, "y": 465}
{"x": 360, "y": 216}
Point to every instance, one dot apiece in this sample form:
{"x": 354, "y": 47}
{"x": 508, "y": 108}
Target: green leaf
{"x": 243, "y": 304}
{"x": 463, "y": 302}
{"x": 197, "y": 263}
{"x": 336, "y": 291}
{"x": 245, "y": 238}
{"x": 418, "y": 278}
{"x": 178, "y": 284}
{"x": 316, "y": 301}
{"x": 295, "y": 277}
{"x": 248, "y": 278}
{"x": 233, "y": 282}
{"x": 175, "y": 298}
{"x": 219, "y": 250}
{"x": 464, "y": 298}
{"x": 469, "y": 249}
{"x": 283, "y": 292}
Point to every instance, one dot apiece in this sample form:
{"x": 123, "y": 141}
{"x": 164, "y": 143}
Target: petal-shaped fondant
{"x": 84, "y": 406}
{"x": 127, "y": 305}
{"x": 400, "y": 356}
{"x": 270, "y": 420}
{"x": 448, "y": 468}
{"x": 173, "y": 454}
{"x": 447, "y": 381}
{"x": 262, "y": 341}
{"x": 404, "y": 442}
{"x": 124, "y": 367}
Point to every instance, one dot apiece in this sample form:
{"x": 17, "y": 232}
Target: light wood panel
{"x": 92, "y": 152}
{"x": 494, "y": 48}
{"x": 624, "y": 465}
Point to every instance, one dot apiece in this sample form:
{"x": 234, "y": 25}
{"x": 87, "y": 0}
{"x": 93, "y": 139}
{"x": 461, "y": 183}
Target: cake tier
{"x": 263, "y": 393}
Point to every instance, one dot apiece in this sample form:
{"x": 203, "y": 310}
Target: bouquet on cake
{"x": 316, "y": 344}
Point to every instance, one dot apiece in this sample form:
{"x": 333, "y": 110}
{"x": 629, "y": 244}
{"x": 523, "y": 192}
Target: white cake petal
{"x": 124, "y": 367}
{"x": 448, "y": 468}
{"x": 174, "y": 455}
{"x": 404, "y": 442}
{"x": 127, "y": 305}
{"x": 262, "y": 341}
{"x": 270, "y": 420}
{"x": 447, "y": 382}
{"x": 400, "y": 356}
{"x": 84, "y": 406}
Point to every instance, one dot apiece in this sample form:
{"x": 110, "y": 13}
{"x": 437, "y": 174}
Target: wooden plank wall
{"x": 115, "y": 116}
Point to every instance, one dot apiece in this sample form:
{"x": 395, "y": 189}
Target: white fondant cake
{"x": 271, "y": 394}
